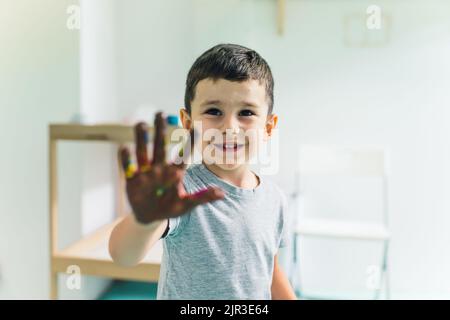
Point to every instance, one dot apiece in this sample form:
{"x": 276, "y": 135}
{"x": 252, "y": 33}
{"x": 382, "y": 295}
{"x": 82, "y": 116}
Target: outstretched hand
{"x": 155, "y": 188}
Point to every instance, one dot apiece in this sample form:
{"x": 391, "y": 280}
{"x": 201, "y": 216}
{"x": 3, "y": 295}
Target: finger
{"x": 141, "y": 137}
{"x": 187, "y": 149}
{"x": 125, "y": 160}
{"x": 201, "y": 197}
{"x": 159, "y": 150}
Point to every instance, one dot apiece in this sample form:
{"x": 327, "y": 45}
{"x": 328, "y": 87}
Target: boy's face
{"x": 234, "y": 120}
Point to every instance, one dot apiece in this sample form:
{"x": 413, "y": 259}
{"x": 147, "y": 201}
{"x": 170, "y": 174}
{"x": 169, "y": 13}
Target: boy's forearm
{"x": 281, "y": 288}
{"x": 130, "y": 241}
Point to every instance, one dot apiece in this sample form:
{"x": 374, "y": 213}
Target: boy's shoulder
{"x": 274, "y": 189}
{"x": 192, "y": 175}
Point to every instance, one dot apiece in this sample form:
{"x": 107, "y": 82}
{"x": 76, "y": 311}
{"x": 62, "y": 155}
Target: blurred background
{"x": 347, "y": 73}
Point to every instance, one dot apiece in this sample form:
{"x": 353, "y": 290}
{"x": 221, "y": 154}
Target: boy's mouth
{"x": 229, "y": 146}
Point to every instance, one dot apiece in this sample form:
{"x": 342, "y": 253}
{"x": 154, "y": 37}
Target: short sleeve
{"x": 175, "y": 225}
{"x": 285, "y": 225}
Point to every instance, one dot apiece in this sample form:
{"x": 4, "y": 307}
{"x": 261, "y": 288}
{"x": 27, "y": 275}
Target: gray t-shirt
{"x": 224, "y": 249}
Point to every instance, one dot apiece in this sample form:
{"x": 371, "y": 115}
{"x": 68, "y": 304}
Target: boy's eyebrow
{"x": 218, "y": 102}
{"x": 209, "y": 102}
{"x": 249, "y": 104}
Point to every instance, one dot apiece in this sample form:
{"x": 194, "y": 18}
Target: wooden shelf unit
{"x": 91, "y": 253}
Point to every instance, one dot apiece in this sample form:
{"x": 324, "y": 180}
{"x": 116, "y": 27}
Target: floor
{"x": 134, "y": 290}
{"x": 130, "y": 290}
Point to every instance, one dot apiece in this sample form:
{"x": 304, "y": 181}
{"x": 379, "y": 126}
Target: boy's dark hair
{"x": 230, "y": 62}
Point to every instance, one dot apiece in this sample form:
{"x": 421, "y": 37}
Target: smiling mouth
{"x": 229, "y": 147}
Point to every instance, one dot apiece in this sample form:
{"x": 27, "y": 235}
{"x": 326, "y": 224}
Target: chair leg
{"x": 293, "y": 262}
{"x": 380, "y": 284}
{"x": 384, "y": 276}
{"x": 295, "y": 269}
{"x": 386, "y": 271}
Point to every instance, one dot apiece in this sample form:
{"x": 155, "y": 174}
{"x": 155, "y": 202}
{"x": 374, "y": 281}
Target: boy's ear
{"x": 271, "y": 124}
{"x": 185, "y": 119}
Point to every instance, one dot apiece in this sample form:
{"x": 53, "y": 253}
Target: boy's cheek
{"x": 205, "y": 123}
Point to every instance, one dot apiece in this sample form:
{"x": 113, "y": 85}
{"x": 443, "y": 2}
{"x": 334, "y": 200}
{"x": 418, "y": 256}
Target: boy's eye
{"x": 213, "y": 112}
{"x": 246, "y": 113}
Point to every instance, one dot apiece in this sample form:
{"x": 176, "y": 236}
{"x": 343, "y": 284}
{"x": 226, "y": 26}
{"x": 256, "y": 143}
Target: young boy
{"x": 221, "y": 224}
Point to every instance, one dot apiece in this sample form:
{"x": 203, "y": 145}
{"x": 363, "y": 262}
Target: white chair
{"x": 344, "y": 162}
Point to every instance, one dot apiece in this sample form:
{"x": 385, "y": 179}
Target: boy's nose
{"x": 231, "y": 125}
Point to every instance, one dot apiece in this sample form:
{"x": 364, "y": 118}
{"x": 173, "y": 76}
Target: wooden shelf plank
{"x": 118, "y": 133}
{"x": 92, "y": 256}
{"x": 94, "y": 267}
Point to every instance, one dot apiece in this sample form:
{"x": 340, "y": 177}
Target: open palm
{"x": 155, "y": 188}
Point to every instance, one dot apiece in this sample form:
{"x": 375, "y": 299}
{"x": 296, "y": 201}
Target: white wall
{"x": 39, "y": 83}
{"x": 154, "y": 51}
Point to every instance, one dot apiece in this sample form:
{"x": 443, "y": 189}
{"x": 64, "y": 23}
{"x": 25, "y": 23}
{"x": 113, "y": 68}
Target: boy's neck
{"x": 241, "y": 176}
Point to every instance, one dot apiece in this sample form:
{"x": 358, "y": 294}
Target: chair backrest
{"x": 342, "y": 161}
